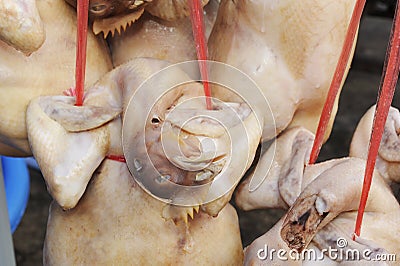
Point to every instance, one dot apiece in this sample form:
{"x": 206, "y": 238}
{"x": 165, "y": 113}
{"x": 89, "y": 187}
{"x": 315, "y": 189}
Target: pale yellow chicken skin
{"x": 116, "y": 222}
{"x": 48, "y": 71}
{"x": 323, "y": 200}
{"x": 289, "y": 48}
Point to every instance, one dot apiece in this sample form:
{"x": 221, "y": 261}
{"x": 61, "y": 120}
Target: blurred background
{"x": 358, "y": 94}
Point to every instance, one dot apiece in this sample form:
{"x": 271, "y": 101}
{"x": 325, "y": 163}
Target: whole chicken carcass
{"x": 91, "y": 132}
{"x": 323, "y": 202}
{"x": 48, "y": 71}
{"x": 289, "y": 48}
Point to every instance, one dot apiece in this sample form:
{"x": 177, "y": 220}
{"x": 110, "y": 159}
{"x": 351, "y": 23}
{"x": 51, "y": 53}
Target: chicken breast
{"x": 289, "y": 48}
{"x": 116, "y": 222}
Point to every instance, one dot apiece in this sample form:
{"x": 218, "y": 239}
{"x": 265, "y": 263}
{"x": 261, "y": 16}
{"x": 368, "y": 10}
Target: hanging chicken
{"x": 295, "y": 67}
{"x": 68, "y": 168}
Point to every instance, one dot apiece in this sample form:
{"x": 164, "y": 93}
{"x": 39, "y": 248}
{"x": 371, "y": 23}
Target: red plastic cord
{"x": 385, "y": 97}
{"x": 196, "y": 15}
{"x": 118, "y": 158}
{"x": 80, "y": 67}
{"x": 336, "y": 80}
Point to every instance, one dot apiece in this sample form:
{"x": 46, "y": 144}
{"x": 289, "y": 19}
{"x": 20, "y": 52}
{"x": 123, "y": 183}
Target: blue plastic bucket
{"x": 17, "y": 185}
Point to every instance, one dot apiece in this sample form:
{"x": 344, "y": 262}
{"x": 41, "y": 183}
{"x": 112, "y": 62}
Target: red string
{"x": 196, "y": 15}
{"x": 336, "y": 80}
{"x": 80, "y": 67}
{"x": 118, "y": 158}
{"x": 385, "y": 97}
